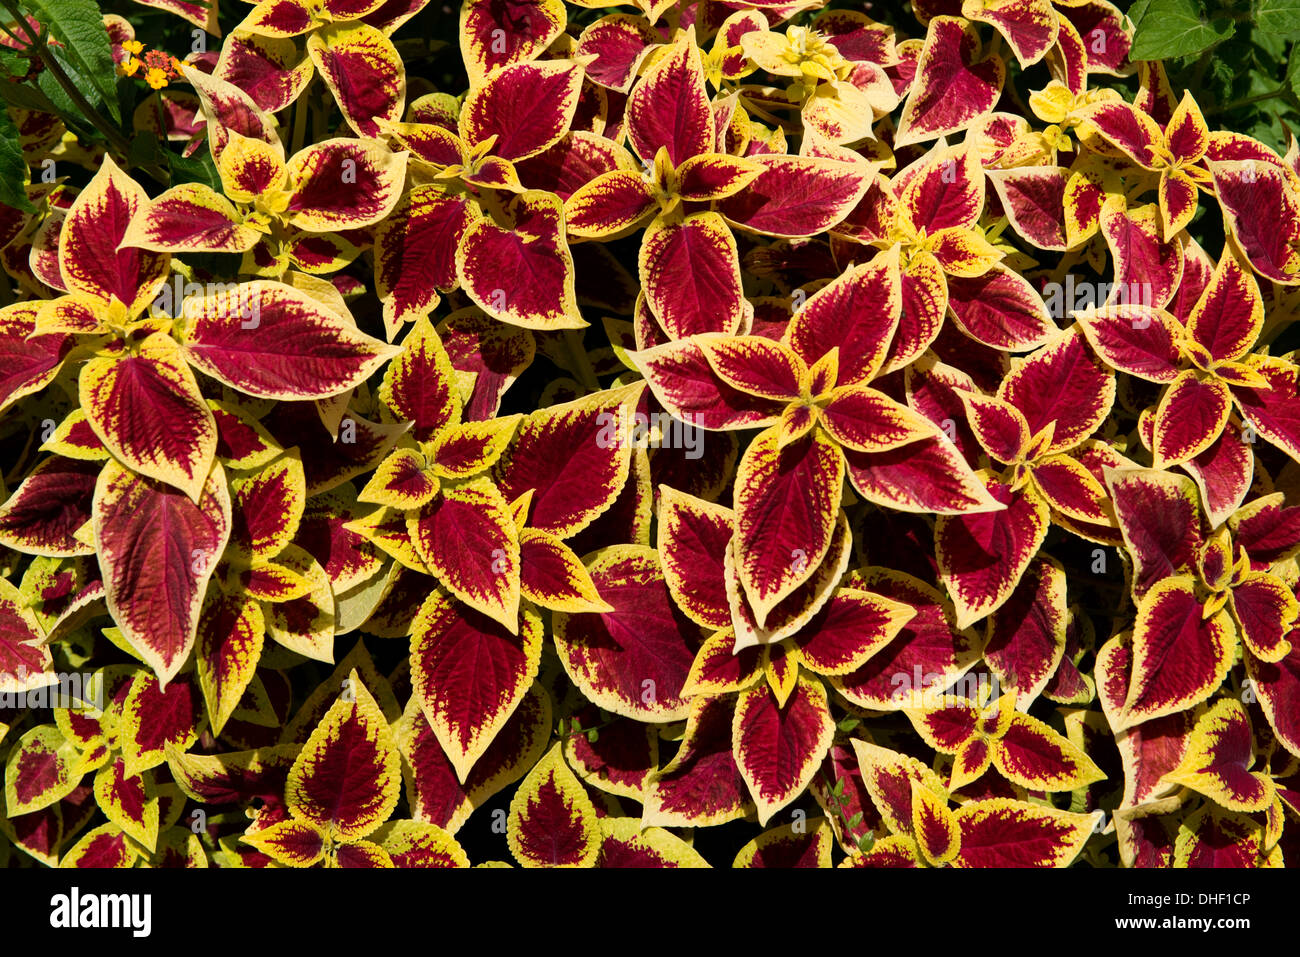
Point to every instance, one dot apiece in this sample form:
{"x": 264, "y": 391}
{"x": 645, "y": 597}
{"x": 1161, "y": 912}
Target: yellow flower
{"x": 156, "y": 78}
{"x": 134, "y": 47}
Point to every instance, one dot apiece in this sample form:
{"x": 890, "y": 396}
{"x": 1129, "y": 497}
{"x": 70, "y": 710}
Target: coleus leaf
{"x": 797, "y": 196}
{"x": 43, "y": 514}
{"x": 418, "y": 844}
{"x": 146, "y": 408}
{"x": 619, "y": 43}
{"x": 24, "y": 656}
{"x": 1034, "y": 200}
{"x": 1031, "y": 754}
{"x": 1000, "y": 832}
{"x": 43, "y": 767}
{"x": 286, "y": 346}
{"x": 1259, "y": 208}
{"x": 152, "y": 541}
{"x": 346, "y": 779}
{"x": 1273, "y": 411}
{"x": 554, "y": 577}
{"x": 1027, "y": 634}
{"x": 953, "y": 85}
{"x": 106, "y": 846}
{"x": 1173, "y": 627}
{"x": 435, "y": 792}
{"x": 90, "y": 259}
{"x": 1000, "y": 309}
{"x": 634, "y": 658}
{"x": 1147, "y": 269}
{"x": 468, "y": 540}
{"x": 415, "y": 252}
{"x": 34, "y": 360}
{"x": 191, "y": 218}
{"x": 625, "y": 844}
{"x": 494, "y": 35}
{"x": 363, "y": 70}
{"x": 227, "y": 649}
{"x": 857, "y": 314}
{"x": 526, "y": 106}
{"x": 889, "y": 778}
{"x": 343, "y": 184}
{"x": 1218, "y": 757}
{"x": 271, "y": 70}
{"x": 1278, "y": 687}
{"x": 669, "y": 106}
{"x": 465, "y": 703}
{"x": 690, "y": 270}
{"x": 129, "y": 801}
{"x": 419, "y": 384}
{"x": 292, "y": 842}
{"x": 226, "y": 109}
{"x": 778, "y": 749}
{"x": 266, "y": 507}
{"x": 925, "y": 476}
{"x": 702, "y": 784}
{"x": 574, "y": 457}
{"x": 966, "y": 544}
{"x": 1213, "y": 838}
{"x": 154, "y": 717}
{"x": 807, "y": 844}
{"x": 619, "y": 760}
{"x": 927, "y": 644}
{"x": 489, "y": 256}
{"x": 552, "y": 822}
{"x": 786, "y": 503}
{"x": 1062, "y": 384}
{"x": 693, "y": 539}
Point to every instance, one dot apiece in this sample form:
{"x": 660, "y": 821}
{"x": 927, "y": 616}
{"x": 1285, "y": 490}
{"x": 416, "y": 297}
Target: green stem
{"x": 116, "y": 139}
{"x": 1246, "y": 101}
{"x": 583, "y": 731}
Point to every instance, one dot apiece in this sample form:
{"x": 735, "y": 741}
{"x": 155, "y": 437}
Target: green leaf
{"x": 1293, "y": 72}
{"x": 1171, "y": 28}
{"x": 14, "y": 64}
{"x": 198, "y": 168}
{"x": 27, "y": 97}
{"x": 145, "y": 150}
{"x": 13, "y": 166}
{"x": 79, "y": 26}
{"x": 1279, "y": 17}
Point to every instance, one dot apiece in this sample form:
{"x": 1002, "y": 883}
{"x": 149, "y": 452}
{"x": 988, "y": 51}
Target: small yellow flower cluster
{"x": 159, "y": 67}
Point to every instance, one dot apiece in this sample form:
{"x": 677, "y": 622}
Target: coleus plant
{"x": 742, "y": 434}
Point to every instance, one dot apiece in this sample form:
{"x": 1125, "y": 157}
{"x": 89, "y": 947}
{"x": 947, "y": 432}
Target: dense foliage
{"x": 752, "y": 432}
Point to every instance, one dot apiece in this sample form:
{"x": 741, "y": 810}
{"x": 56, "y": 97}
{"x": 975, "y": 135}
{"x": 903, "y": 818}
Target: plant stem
{"x": 1247, "y": 100}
